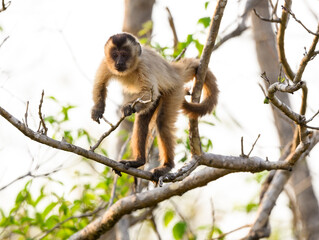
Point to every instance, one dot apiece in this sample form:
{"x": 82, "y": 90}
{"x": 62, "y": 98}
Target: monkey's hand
{"x": 97, "y": 113}
{"x": 128, "y": 110}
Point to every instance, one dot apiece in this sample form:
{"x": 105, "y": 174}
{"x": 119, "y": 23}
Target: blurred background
{"x": 56, "y": 46}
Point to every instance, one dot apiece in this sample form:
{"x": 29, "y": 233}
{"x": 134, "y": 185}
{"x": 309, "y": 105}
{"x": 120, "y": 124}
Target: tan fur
{"x": 145, "y": 74}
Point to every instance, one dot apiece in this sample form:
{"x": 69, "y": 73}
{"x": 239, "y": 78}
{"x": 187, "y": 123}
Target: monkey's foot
{"x": 97, "y": 114}
{"x": 160, "y": 171}
{"x": 134, "y": 163}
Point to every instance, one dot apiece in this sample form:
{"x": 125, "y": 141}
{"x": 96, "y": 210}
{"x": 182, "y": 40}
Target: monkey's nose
{"x": 120, "y": 66}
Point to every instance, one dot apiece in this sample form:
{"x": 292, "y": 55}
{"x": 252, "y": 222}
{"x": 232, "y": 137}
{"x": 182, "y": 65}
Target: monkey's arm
{"x": 100, "y": 91}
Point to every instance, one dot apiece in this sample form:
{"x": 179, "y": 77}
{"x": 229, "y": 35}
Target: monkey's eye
{"x": 124, "y": 55}
{"x": 114, "y": 55}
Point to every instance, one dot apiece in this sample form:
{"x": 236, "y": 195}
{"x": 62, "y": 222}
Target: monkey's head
{"x": 122, "y": 53}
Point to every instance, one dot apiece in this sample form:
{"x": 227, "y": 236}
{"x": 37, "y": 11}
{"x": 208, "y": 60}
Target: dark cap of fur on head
{"x": 120, "y": 39}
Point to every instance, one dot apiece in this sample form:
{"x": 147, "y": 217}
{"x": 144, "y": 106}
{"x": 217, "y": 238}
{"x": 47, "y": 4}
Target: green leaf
{"x": 251, "y": 207}
{"x": 208, "y": 123}
{"x": 48, "y": 209}
{"x": 205, "y": 21}
{"x": 52, "y": 98}
{"x": 65, "y": 111}
{"x": 50, "y": 119}
{"x": 179, "y": 230}
{"x": 206, "y": 5}
{"x": 169, "y": 215}
{"x": 52, "y": 221}
{"x": 199, "y": 47}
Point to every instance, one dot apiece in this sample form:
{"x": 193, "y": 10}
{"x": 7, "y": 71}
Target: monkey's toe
{"x": 159, "y": 171}
{"x": 133, "y": 164}
{"x": 96, "y": 115}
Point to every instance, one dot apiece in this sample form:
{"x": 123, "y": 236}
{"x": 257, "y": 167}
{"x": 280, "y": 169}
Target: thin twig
{"x": 310, "y": 119}
{"x": 266, "y": 19}
{"x": 26, "y": 114}
{"x": 172, "y": 25}
{"x": 107, "y": 121}
{"x": 72, "y": 217}
{"x": 298, "y": 21}
{"x": 44, "y": 129}
{"x": 211, "y": 160}
{"x": 113, "y": 127}
{"x": 5, "y": 6}
{"x": 184, "y": 219}
{"x": 252, "y": 147}
{"x": 232, "y": 231}
{"x": 3, "y": 41}
{"x": 32, "y": 175}
{"x": 281, "y": 42}
{"x": 180, "y": 55}
{"x": 242, "y": 147}
{"x": 242, "y": 27}
{"x": 308, "y": 57}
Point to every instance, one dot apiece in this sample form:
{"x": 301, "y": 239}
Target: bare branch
{"x": 4, "y": 40}
{"x": 281, "y": 42}
{"x": 242, "y": 147}
{"x": 212, "y": 160}
{"x": 113, "y": 127}
{"x": 266, "y": 19}
{"x": 312, "y": 118}
{"x": 5, "y": 5}
{"x": 172, "y": 25}
{"x": 201, "y": 73}
{"x": 251, "y": 164}
{"x": 44, "y": 130}
{"x": 308, "y": 57}
{"x": 230, "y": 232}
{"x": 252, "y": 147}
{"x": 287, "y": 9}
{"x": 26, "y": 114}
{"x": 297, "y": 118}
{"x": 180, "y": 55}
{"x": 65, "y": 146}
{"x": 275, "y": 188}
{"x": 89, "y": 214}
{"x": 242, "y": 27}
{"x": 146, "y": 199}
{"x": 32, "y": 175}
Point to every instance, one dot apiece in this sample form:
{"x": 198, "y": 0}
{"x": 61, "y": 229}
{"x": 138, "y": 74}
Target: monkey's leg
{"x": 165, "y": 122}
{"x": 139, "y": 137}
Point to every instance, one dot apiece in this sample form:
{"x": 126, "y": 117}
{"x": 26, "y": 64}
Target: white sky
{"x": 57, "y": 46}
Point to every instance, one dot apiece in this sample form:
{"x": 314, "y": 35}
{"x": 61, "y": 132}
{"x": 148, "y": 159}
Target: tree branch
{"x": 213, "y": 160}
{"x": 281, "y": 42}
{"x": 201, "y": 73}
{"x": 113, "y": 127}
{"x": 287, "y": 9}
{"x": 5, "y": 5}
{"x": 269, "y": 199}
{"x": 308, "y": 57}
{"x": 146, "y": 199}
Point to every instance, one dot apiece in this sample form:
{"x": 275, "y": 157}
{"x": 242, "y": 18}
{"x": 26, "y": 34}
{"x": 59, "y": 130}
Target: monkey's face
{"x": 122, "y": 52}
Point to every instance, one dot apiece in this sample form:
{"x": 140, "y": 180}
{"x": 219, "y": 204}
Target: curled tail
{"x": 210, "y": 91}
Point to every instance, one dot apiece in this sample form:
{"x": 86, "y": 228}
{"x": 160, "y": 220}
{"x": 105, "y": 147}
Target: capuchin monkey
{"x": 159, "y": 85}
